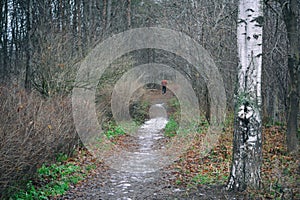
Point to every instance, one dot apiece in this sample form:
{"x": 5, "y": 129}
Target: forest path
{"x": 137, "y": 174}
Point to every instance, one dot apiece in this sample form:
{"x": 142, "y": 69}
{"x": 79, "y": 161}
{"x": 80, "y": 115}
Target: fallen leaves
{"x": 192, "y": 169}
{"x": 280, "y": 171}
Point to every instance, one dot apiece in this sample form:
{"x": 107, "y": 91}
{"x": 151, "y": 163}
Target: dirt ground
{"x": 152, "y": 186}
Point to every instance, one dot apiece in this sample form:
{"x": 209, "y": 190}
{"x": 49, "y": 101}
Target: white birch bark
{"x": 247, "y": 150}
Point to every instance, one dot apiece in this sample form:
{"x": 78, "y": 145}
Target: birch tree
{"x": 247, "y": 144}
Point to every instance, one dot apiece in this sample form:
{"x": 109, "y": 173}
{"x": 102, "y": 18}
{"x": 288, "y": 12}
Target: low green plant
{"x": 55, "y": 170}
{"x": 278, "y": 123}
{"x": 30, "y": 193}
{"x": 61, "y": 157}
{"x": 91, "y": 167}
{"x": 224, "y": 178}
{"x": 55, "y": 180}
{"x": 114, "y": 131}
{"x": 178, "y": 182}
{"x": 171, "y": 128}
{"x": 202, "y": 179}
{"x": 173, "y": 102}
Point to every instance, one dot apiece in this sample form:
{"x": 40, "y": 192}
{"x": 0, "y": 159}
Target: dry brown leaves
{"x": 280, "y": 171}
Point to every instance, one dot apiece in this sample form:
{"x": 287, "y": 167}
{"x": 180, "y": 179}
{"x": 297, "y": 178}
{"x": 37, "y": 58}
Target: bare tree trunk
{"x": 104, "y": 13}
{"x": 129, "y": 14}
{"x": 290, "y": 13}
{"x": 79, "y": 28}
{"x": 247, "y": 144}
{"x": 108, "y": 15}
{"x": 4, "y": 37}
{"x": 29, "y": 47}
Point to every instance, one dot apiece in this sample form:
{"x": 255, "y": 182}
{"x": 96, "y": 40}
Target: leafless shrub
{"x": 33, "y": 130}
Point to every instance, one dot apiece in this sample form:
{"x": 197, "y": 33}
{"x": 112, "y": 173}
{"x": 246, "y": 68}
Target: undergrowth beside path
{"x": 280, "y": 171}
{"x": 53, "y": 180}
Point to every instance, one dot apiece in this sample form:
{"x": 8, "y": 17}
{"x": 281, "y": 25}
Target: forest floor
{"x": 191, "y": 176}
{"x": 194, "y": 178}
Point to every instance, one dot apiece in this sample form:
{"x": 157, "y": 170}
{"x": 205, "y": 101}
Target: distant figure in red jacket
{"x": 164, "y": 86}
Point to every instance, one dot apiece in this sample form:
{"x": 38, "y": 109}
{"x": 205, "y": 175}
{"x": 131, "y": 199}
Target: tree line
{"x": 42, "y": 42}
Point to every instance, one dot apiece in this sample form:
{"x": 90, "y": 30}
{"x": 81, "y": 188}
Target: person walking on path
{"x": 164, "y": 86}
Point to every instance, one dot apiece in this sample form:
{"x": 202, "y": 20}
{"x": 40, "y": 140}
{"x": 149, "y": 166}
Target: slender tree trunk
{"x": 104, "y": 13}
{"x": 247, "y": 144}
{"x": 290, "y": 12}
{"x": 128, "y": 14}
{"x": 1, "y": 40}
{"x": 79, "y": 28}
{"x": 4, "y": 37}
{"x": 29, "y": 47}
{"x": 108, "y": 15}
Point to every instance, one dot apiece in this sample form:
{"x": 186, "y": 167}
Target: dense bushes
{"x": 33, "y": 130}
